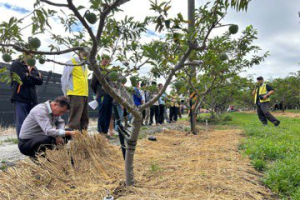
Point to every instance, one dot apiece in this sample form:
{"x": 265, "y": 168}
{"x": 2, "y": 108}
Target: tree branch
{"x": 21, "y": 49}
{"x": 194, "y": 63}
{"x": 72, "y": 7}
{"x": 169, "y": 79}
{"x": 54, "y": 4}
{"x": 65, "y": 64}
{"x": 104, "y": 15}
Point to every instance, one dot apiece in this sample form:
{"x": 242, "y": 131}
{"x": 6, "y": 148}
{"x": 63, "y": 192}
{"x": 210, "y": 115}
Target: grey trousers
{"x": 264, "y": 114}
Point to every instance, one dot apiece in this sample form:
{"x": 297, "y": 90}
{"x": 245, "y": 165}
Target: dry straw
{"x": 97, "y": 169}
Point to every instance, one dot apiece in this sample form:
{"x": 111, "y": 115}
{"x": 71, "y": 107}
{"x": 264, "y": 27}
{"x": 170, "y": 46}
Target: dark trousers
{"x": 105, "y": 112}
{"x": 21, "y": 112}
{"x": 31, "y": 147}
{"x": 161, "y": 113}
{"x": 173, "y": 113}
{"x": 264, "y": 114}
{"x": 154, "y": 111}
{"x": 79, "y": 113}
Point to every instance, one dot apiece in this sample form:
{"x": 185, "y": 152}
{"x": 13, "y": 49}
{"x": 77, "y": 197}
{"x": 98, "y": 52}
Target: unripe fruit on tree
{"x": 223, "y": 57}
{"x": 31, "y": 62}
{"x": 124, "y": 80}
{"x": 91, "y": 17}
{"x": 133, "y": 81}
{"x": 113, "y": 76}
{"x": 6, "y": 57}
{"x": 42, "y": 61}
{"x": 233, "y": 29}
{"x": 34, "y": 43}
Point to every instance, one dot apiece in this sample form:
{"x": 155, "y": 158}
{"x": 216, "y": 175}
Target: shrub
{"x": 259, "y": 165}
{"x": 227, "y": 118}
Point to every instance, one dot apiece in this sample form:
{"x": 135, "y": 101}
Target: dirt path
{"x": 207, "y": 166}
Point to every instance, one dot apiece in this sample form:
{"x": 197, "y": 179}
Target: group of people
{"x": 164, "y": 109}
{"x": 40, "y": 126}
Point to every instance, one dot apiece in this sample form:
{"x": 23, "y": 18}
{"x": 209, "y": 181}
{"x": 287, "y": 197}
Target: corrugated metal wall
{"x": 50, "y": 89}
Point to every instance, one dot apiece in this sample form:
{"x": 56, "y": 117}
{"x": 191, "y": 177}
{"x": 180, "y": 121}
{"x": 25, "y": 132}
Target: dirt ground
{"x": 176, "y": 166}
{"x": 206, "y": 166}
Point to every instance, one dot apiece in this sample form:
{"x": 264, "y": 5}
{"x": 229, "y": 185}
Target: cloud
{"x": 14, "y": 8}
{"x": 277, "y": 25}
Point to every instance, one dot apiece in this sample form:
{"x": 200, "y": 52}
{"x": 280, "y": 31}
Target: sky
{"x": 277, "y": 22}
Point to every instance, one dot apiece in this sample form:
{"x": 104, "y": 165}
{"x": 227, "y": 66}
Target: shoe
{"x": 277, "y": 123}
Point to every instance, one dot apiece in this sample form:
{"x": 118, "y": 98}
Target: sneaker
{"x": 277, "y": 123}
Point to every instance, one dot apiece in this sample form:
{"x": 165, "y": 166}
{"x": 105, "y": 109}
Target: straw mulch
{"x": 206, "y": 166}
{"x": 98, "y": 167}
{"x": 176, "y": 166}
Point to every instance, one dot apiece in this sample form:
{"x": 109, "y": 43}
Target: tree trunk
{"x": 193, "y": 122}
{"x": 130, "y": 150}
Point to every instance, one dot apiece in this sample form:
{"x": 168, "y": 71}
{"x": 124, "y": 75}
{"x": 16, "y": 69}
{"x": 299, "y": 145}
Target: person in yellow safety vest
{"x": 74, "y": 82}
{"x": 262, "y": 93}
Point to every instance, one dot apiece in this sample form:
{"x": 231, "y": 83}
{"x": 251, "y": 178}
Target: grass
{"x": 11, "y": 140}
{"x": 154, "y": 167}
{"x": 273, "y": 150}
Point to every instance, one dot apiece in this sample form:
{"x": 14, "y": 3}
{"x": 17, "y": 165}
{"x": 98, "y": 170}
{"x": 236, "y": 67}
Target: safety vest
{"x": 262, "y": 91}
{"x": 80, "y": 81}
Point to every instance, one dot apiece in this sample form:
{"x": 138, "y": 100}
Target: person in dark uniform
{"x": 24, "y": 95}
{"x": 262, "y": 93}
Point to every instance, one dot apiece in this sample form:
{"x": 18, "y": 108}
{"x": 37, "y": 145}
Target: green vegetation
{"x": 34, "y": 43}
{"x": 113, "y": 76}
{"x": 31, "y": 62}
{"x": 274, "y": 150}
{"x": 6, "y": 57}
{"x": 155, "y": 167}
{"x": 213, "y": 119}
{"x": 91, "y": 17}
{"x": 11, "y": 140}
{"x": 233, "y": 29}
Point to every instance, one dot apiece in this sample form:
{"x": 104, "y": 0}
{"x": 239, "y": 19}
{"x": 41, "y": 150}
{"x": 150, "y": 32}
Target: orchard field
{"x": 208, "y": 59}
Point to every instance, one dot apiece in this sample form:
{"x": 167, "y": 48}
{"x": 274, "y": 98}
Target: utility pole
{"x": 191, "y": 26}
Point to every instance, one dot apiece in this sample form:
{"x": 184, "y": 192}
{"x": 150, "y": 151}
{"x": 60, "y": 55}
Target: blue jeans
{"x": 21, "y": 112}
{"x": 105, "y": 112}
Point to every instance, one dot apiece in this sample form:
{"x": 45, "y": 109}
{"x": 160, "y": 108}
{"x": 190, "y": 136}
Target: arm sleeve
{"x": 269, "y": 88}
{"x": 60, "y": 123}
{"x": 65, "y": 78}
{"x": 94, "y": 84}
{"x": 44, "y": 123}
{"x": 35, "y": 76}
{"x": 18, "y": 69}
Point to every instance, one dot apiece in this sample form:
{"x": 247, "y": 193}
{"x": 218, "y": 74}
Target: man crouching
{"x": 43, "y": 128}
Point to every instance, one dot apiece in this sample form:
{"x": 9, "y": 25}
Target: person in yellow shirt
{"x": 75, "y": 85}
{"x": 262, "y": 93}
